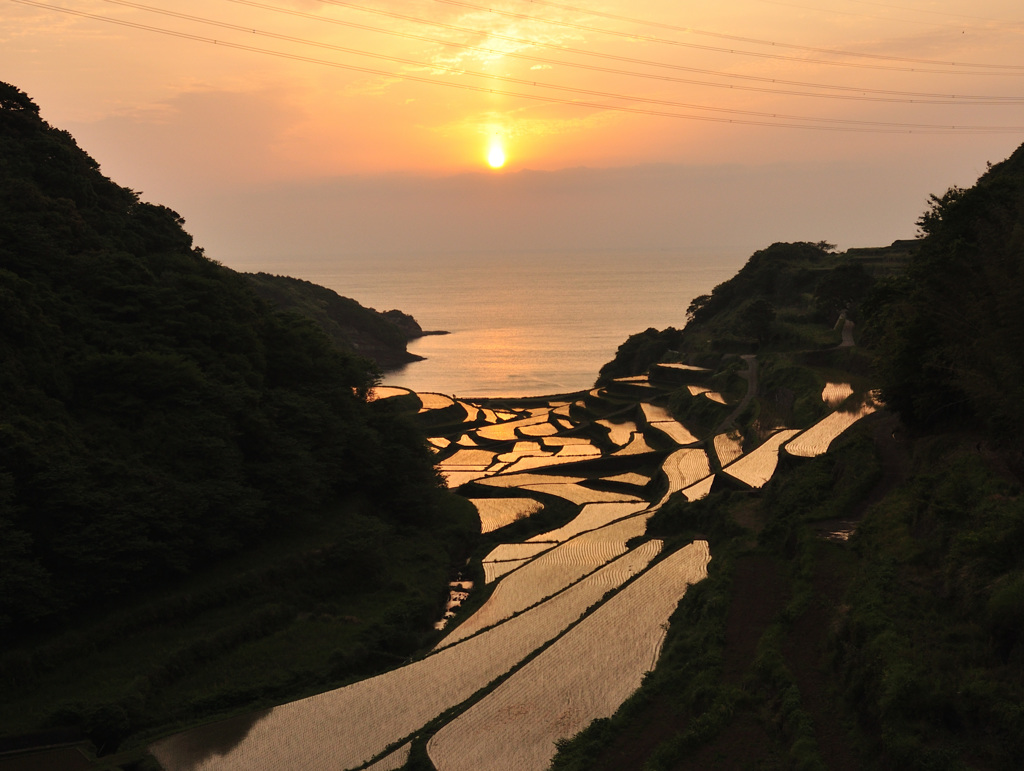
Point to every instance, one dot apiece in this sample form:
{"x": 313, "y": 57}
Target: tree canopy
{"x": 154, "y": 411}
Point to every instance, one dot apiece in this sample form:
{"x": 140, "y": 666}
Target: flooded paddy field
{"x": 592, "y": 591}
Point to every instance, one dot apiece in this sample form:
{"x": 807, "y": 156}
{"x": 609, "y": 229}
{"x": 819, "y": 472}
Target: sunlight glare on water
{"x": 522, "y": 324}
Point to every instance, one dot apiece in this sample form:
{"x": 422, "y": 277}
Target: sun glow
{"x": 496, "y": 156}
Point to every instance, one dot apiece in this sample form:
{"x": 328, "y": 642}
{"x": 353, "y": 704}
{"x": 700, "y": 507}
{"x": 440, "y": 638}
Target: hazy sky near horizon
{"x": 307, "y": 127}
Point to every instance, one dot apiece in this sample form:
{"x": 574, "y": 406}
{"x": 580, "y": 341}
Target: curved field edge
{"x": 555, "y": 694}
{"x": 353, "y": 724}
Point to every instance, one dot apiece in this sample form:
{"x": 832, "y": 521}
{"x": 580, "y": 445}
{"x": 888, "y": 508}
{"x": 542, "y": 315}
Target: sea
{"x": 525, "y": 323}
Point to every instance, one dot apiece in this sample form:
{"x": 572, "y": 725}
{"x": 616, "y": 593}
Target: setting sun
{"x": 496, "y": 157}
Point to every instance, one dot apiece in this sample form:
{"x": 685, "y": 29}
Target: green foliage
{"x": 700, "y": 414}
{"x": 381, "y": 337}
{"x": 929, "y": 647}
{"x": 639, "y": 352}
{"x": 949, "y": 331}
{"x": 779, "y": 275}
{"x": 830, "y": 486}
{"x": 159, "y": 420}
{"x": 791, "y": 394}
{"x": 756, "y": 318}
{"x": 841, "y": 288}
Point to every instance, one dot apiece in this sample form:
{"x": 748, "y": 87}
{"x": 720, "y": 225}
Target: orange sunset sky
{"x": 366, "y": 127}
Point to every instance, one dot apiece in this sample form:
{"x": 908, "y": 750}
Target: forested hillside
{"x": 158, "y": 419}
{"x": 865, "y": 610}
{"x": 950, "y": 330}
{"x": 381, "y": 337}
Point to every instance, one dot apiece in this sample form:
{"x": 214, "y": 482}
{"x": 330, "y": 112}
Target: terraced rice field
{"x": 676, "y": 431}
{"x": 434, "y": 402}
{"x": 557, "y": 694}
{"x": 550, "y": 573}
{"x": 683, "y": 367}
{"x": 683, "y": 469}
{"x": 637, "y": 446}
{"x": 475, "y": 458}
{"x": 756, "y": 467}
{"x": 394, "y": 761}
{"x": 544, "y": 586}
{"x": 835, "y": 394}
{"x": 630, "y": 478}
{"x": 522, "y": 449}
{"x": 619, "y": 433}
{"x": 507, "y": 552}
{"x": 495, "y": 570}
{"x": 553, "y": 442}
{"x": 817, "y": 439}
{"x": 579, "y": 494}
{"x": 539, "y": 461}
{"x": 454, "y": 479}
{"x": 377, "y": 393}
{"x": 349, "y": 726}
{"x": 728, "y": 447}
{"x": 523, "y": 480}
{"x": 540, "y": 429}
{"x": 579, "y": 451}
{"x": 654, "y": 414}
{"x": 495, "y": 513}
{"x": 591, "y": 517}
{"x": 507, "y": 431}
{"x": 698, "y": 390}
{"x": 700, "y": 490}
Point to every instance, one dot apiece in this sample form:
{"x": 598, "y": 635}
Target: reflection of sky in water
{"x": 526, "y": 323}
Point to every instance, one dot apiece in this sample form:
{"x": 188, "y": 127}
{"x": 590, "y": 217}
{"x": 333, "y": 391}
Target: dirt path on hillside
{"x": 805, "y": 646}
{"x": 893, "y": 447}
{"x": 760, "y": 591}
{"x": 804, "y": 652}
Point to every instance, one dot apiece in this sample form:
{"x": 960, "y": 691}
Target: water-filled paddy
{"x": 495, "y": 513}
{"x": 728, "y": 447}
{"x": 559, "y": 693}
{"x": 756, "y": 467}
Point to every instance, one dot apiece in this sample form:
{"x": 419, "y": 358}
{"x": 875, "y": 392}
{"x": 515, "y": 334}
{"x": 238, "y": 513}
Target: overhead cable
{"x": 1003, "y": 69}
{"x": 815, "y": 124}
{"x": 759, "y": 41}
{"x": 854, "y": 93}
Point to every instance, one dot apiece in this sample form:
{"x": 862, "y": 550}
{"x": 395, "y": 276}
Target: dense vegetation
{"x": 902, "y": 647}
{"x": 200, "y": 512}
{"x": 950, "y": 330}
{"x": 160, "y": 424}
{"x": 381, "y": 337}
{"x": 785, "y": 298}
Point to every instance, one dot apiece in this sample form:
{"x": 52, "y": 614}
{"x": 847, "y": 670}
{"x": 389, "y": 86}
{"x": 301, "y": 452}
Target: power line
{"x": 1011, "y": 69}
{"x": 855, "y": 93}
{"x": 832, "y": 125}
{"x": 897, "y": 7}
{"x": 758, "y": 41}
{"x": 531, "y": 83}
{"x": 934, "y": 13}
{"x": 632, "y": 60}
